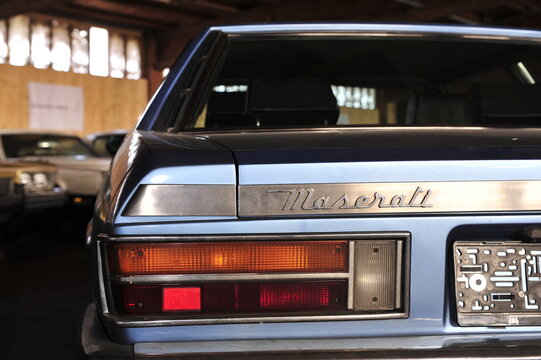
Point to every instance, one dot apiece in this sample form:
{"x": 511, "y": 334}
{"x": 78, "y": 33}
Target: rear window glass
{"x": 20, "y": 145}
{"x": 367, "y": 82}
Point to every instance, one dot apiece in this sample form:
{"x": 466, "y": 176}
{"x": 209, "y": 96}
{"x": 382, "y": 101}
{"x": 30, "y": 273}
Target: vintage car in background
{"x": 80, "y": 169}
{"x": 39, "y": 182}
{"x": 328, "y": 191}
{"x": 11, "y": 193}
{"x": 27, "y": 188}
{"x": 106, "y": 143}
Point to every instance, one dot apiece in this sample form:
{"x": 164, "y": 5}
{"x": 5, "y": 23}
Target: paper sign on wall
{"x": 55, "y": 107}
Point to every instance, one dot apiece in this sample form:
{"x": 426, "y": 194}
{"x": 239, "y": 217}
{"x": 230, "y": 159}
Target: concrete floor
{"x": 44, "y": 290}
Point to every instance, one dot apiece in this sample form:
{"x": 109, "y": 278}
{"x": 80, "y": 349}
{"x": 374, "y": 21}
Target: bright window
{"x": 79, "y": 51}
{"x": 40, "y": 53}
{"x": 133, "y": 63}
{"x": 19, "y": 44}
{"x": 61, "y": 51}
{"x": 355, "y": 97}
{"x": 99, "y": 51}
{"x": 65, "y": 46}
{"x": 3, "y": 42}
{"x": 117, "y": 56}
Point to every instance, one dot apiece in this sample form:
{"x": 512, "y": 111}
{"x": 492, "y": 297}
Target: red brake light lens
{"x": 306, "y": 296}
{"x": 181, "y": 299}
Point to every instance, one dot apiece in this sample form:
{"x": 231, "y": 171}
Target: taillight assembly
{"x": 242, "y": 279}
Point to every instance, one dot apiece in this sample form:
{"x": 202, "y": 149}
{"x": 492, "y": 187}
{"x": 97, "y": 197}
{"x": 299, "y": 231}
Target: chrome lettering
{"x": 304, "y": 199}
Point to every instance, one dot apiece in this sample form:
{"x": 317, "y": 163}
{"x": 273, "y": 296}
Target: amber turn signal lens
{"x": 230, "y": 257}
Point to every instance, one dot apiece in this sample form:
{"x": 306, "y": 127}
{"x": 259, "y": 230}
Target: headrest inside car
{"x": 292, "y": 102}
{"x": 227, "y": 109}
{"x": 498, "y": 102}
{"x": 436, "y": 109}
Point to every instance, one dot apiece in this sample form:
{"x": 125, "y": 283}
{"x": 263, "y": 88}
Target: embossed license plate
{"x": 497, "y": 284}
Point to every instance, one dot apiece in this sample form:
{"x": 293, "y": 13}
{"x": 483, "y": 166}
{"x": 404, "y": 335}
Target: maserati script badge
{"x": 305, "y": 199}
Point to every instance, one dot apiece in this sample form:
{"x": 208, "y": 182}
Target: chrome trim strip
{"x": 101, "y": 278}
{"x": 388, "y": 198}
{"x": 458, "y": 342}
{"x": 389, "y": 29}
{"x": 351, "y": 278}
{"x": 399, "y": 272}
{"x": 149, "y": 321}
{"x": 164, "y": 279}
{"x": 183, "y": 200}
{"x": 265, "y": 237}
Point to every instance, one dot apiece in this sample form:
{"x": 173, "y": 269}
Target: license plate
{"x": 498, "y": 283}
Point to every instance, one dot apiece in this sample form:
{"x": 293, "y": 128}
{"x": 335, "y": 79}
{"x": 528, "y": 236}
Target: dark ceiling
{"x": 168, "y": 24}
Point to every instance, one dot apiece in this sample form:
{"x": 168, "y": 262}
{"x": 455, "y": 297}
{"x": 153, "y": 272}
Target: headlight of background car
{"x": 37, "y": 181}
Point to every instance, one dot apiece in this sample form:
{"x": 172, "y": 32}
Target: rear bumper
{"x": 9, "y": 206}
{"x": 97, "y": 345}
{"x": 35, "y": 201}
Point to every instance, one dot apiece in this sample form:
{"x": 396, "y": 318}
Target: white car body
{"x": 79, "y": 174}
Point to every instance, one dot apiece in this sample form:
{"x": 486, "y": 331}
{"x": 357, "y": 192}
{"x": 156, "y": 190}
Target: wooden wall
{"x": 108, "y": 103}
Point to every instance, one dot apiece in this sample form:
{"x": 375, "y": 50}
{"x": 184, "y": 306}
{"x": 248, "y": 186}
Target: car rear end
{"x": 237, "y": 223}
{"x": 330, "y": 251}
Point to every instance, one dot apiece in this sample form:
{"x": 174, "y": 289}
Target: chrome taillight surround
{"x": 369, "y": 253}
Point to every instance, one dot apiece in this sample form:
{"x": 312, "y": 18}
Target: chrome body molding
{"x": 183, "y": 200}
{"x": 373, "y": 235}
{"x": 433, "y": 342}
{"x": 335, "y": 199}
{"x": 148, "y": 321}
{"x": 382, "y": 30}
{"x": 389, "y": 198}
{"x": 173, "y": 279}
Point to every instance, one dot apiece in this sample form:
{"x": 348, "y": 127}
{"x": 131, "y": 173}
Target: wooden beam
{"x": 443, "y": 10}
{"x": 14, "y": 7}
{"x": 206, "y": 8}
{"x": 172, "y": 41}
{"x": 216, "y": 6}
{"x": 103, "y": 18}
{"x": 159, "y": 12}
{"x": 522, "y": 6}
{"x": 467, "y": 19}
{"x": 153, "y": 75}
{"x": 529, "y": 19}
{"x": 325, "y": 10}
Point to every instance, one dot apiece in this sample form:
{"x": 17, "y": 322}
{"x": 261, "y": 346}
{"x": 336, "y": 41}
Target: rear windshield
{"x": 99, "y": 144}
{"x": 20, "y": 145}
{"x": 373, "y": 82}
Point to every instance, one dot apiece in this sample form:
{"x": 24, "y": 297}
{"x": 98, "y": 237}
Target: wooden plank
{"x": 217, "y": 6}
{"x": 14, "y": 7}
{"x": 108, "y": 103}
{"x": 151, "y": 73}
{"x": 141, "y": 10}
{"x": 443, "y": 10}
{"x": 97, "y": 17}
{"x": 201, "y": 8}
{"x": 172, "y": 41}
